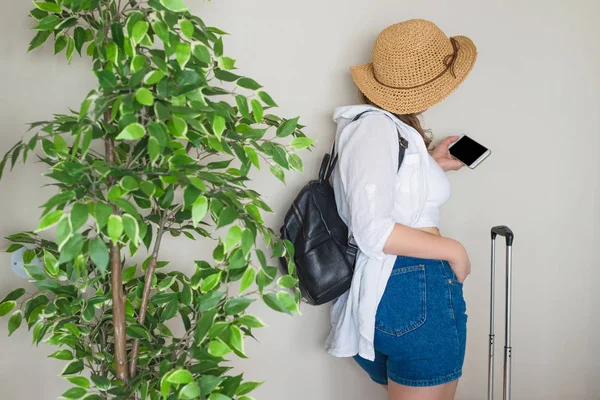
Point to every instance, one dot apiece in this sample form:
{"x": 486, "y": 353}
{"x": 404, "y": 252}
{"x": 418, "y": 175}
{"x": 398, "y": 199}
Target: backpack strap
{"x": 332, "y": 160}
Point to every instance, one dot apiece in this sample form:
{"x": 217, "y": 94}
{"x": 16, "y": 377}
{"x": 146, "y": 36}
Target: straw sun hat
{"x": 415, "y": 65}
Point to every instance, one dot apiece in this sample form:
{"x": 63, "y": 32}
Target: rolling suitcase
{"x": 509, "y": 236}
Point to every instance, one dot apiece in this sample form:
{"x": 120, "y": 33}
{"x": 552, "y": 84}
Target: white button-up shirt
{"x": 372, "y": 196}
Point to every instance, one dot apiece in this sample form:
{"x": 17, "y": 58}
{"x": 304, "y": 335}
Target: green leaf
{"x": 73, "y": 368}
{"x": 287, "y": 301}
{"x": 106, "y": 79}
{"x": 47, "y": 23}
{"x": 133, "y": 131}
{"x": 165, "y": 387}
{"x": 48, "y": 6}
{"x": 129, "y": 273}
{"x": 301, "y": 143}
{"x": 287, "y": 282}
{"x": 178, "y": 127}
{"x": 115, "y": 227}
{"x": 182, "y": 54}
{"x": 39, "y": 40}
{"x": 139, "y": 31}
{"x": 187, "y": 28}
{"x": 79, "y": 37}
{"x": 248, "y": 83}
{"x": 79, "y": 216}
{"x": 236, "y": 340}
{"x": 112, "y": 52}
{"x": 60, "y": 145}
{"x": 138, "y": 63}
{"x": 295, "y": 162}
{"x": 64, "y": 355}
{"x": 74, "y": 393}
{"x": 152, "y": 78}
{"x": 99, "y": 254}
{"x": 288, "y": 127}
{"x": 258, "y": 110}
{"x": 251, "y": 321}
{"x": 267, "y": 99}
{"x": 189, "y": 391}
{"x": 199, "y": 209}
{"x": 218, "y": 125}
{"x": 161, "y": 30}
{"x": 234, "y": 235}
{"x": 170, "y": 310}
{"x": 14, "y": 295}
{"x": 247, "y": 387}
{"x": 247, "y": 279}
{"x": 273, "y": 302}
{"x": 7, "y": 307}
{"x": 101, "y": 382}
{"x": 138, "y": 331}
{"x": 201, "y": 53}
{"x": 252, "y": 156}
{"x": 60, "y": 43}
{"x": 209, "y": 383}
{"x": 144, "y": 97}
{"x": 174, "y": 5}
{"x": 217, "y": 348}
{"x": 218, "y": 47}
{"x": 132, "y": 229}
{"x": 35, "y": 272}
{"x": 14, "y": 322}
{"x": 98, "y": 397}
{"x": 227, "y": 216}
{"x": 236, "y": 305}
{"x": 203, "y": 325}
{"x": 180, "y": 376}
{"x": 71, "y": 249}
{"x": 210, "y": 282}
{"x": 277, "y": 171}
{"x": 153, "y": 149}
{"x": 101, "y": 212}
{"x": 69, "y": 56}
{"x": 79, "y": 381}
{"x": 49, "y": 220}
{"x": 218, "y": 396}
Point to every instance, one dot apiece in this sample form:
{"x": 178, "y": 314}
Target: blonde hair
{"x": 411, "y": 120}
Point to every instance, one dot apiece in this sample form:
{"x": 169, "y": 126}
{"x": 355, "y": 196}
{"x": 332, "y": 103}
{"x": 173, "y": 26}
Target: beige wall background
{"x": 533, "y": 98}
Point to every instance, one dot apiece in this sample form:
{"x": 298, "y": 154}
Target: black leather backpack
{"x": 324, "y": 253}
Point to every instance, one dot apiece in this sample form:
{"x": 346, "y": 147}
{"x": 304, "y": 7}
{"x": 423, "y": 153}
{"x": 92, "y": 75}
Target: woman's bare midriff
{"x": 432, "y": 230}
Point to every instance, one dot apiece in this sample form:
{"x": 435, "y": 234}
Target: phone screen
{"x": 467, "y": 150}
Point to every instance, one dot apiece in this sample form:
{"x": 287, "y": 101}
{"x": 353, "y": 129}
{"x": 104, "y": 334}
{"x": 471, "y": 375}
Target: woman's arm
{"x": 406, "y": 241}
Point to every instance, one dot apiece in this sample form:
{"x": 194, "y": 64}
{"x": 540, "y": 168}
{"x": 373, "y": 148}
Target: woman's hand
{"x": 442, "y": 156}
{"x": 459, "y": 262}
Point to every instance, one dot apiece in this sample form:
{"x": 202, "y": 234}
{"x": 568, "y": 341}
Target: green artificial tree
{"x": 163, "y": 145}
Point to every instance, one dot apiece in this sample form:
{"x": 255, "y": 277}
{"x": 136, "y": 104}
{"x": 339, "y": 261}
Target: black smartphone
{"x": 468, "y": 151}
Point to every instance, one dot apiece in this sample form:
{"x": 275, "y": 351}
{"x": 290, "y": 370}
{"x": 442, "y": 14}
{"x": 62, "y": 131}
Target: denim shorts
{"x": 421, "y": 326}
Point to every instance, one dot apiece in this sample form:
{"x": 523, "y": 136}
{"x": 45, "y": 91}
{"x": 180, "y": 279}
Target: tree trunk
{"x": 118, "y": 314}
{"x": 118, "y": 298}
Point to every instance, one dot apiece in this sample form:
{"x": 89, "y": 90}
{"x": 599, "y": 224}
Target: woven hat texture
{"x": 415, "y": 65}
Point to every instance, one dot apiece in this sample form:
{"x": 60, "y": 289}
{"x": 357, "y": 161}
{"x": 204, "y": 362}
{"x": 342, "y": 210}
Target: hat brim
{"x": 408, "y": 101}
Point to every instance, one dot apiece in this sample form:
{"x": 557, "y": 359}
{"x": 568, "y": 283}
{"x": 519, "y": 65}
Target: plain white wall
{"x": 533, "y": 98}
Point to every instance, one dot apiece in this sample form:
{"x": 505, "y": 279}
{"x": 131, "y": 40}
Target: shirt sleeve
{"x": 368, "y": 164}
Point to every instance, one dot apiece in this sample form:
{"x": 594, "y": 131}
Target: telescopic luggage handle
{"x": 508, "y": 234}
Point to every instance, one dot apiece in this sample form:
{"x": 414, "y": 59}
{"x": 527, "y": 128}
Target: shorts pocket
{"x": 403, "y": 306}
{"x": 458, "y": 306}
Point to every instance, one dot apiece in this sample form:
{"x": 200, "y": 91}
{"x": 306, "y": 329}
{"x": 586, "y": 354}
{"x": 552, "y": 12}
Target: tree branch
{"x": 135, "y": 351}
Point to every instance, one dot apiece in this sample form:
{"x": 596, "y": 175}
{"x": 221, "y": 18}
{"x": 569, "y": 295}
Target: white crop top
{"x": 372, "y": 196}
{"x": 438, "y": 193}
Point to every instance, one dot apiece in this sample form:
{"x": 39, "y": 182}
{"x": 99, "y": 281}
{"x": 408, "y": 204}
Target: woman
{"x": 403, "y": 320}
